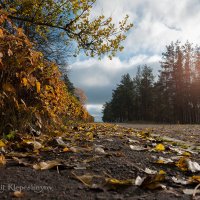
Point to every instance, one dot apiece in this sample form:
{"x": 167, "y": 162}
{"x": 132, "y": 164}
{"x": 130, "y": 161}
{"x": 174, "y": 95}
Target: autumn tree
{"x": 32, "y": 93}
{"x": 81, "y": 96}
{"x": 71, "y": 21}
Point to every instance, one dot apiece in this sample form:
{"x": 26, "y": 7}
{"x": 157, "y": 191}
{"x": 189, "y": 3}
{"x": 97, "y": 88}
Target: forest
{"x": 173, "y": 97}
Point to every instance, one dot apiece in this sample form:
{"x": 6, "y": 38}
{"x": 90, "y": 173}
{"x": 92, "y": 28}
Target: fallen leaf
{"x": 113, "y": 183}
{"x": 18, "y": 194}
{"x": 89, "y": 136}
{"x": 160, "y": 147}
{"x": 139, "y": 181}
{"x": 162, "y": 172}
{"x": 87, "y": 179}
{"x": 137, "y": 148}
{"x": 133, "y": 141}
{"x": 150, "y": 171}
{"x": 190, "y": 191}
{"x": 182, "y": 164}
{"x": 36, "y": 144}
{"x": 61, "y": 142}
{"x": 99, "y": 150}
{"x": 195, "y": 179}
{"x": 74, "y": 149}
{"x": 22, "y": 161}
{"x": 66, "y": 149}
{"x": 1, "y": 33}
{"x": 162, "y": 160}
{"x": 193, "y": 166}
{"x": 152, "y": 182}
{"x": 2, "y": 144}
{"x": 180, "y": 181}
{"x": 46, "y": 165}
{"x": 186, "y": 154}
{"x": 2, "y": 160}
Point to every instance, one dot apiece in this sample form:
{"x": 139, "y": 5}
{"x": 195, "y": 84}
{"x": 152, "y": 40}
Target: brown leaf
{"x": 46, "y": 165}
{"x": 8, "y": 87}
{"x": 18, "y": 194}
{"x": 2, "y": 160}
{"x": 87, "y": 179}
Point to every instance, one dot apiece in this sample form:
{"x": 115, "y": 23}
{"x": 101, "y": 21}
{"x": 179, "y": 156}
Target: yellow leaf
{"x": 160, "y": 162}
{"x": 12, "y": 10}
{"x": 162, "y": 172}
{"x": 114, "y": 181}
{"x": 195, "y": 178}
{"x": 2, "y": 144}
{"x": 81, "y": 129}
{"x": 48, "y": 87}
{"x": 1, "y": 33}
{"x": 89, "y": 135}
{"x": 24, "y": 81}
{"x": 38, "y": 85}
{"x": 181, "y": 164}
{"x": 66, "y": 149}
{"x": 160, "y": 147}
{"x": 186, "y": 154}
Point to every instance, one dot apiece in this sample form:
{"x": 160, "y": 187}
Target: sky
{"x": 156, "y": 24}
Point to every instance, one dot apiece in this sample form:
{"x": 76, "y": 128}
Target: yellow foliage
{"x": 32, "y": 91}
{"x": 160, "y": 147}
{"x": 97, "y": 35}
{"x": 24, "y": 81}
{"x": 38, "y": 86}
{"x": 2, "y": 144}
{"x": 1, "y": 33}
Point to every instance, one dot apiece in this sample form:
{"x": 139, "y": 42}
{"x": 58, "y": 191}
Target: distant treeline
{"x": 173, "y": 98}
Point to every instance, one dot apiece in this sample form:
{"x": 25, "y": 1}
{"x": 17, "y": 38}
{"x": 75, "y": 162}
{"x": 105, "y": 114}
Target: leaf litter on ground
{"x": 84, "y": 138}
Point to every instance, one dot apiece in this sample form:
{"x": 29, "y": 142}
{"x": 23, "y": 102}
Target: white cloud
{"x": 115, "y": 64}
{"x": 105, "y": 72}
{"x": 94, "y": 106}
{"x": 96, "y": 80}
{"x": 156, "y": 22}
{"x": 95, "y": 110}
